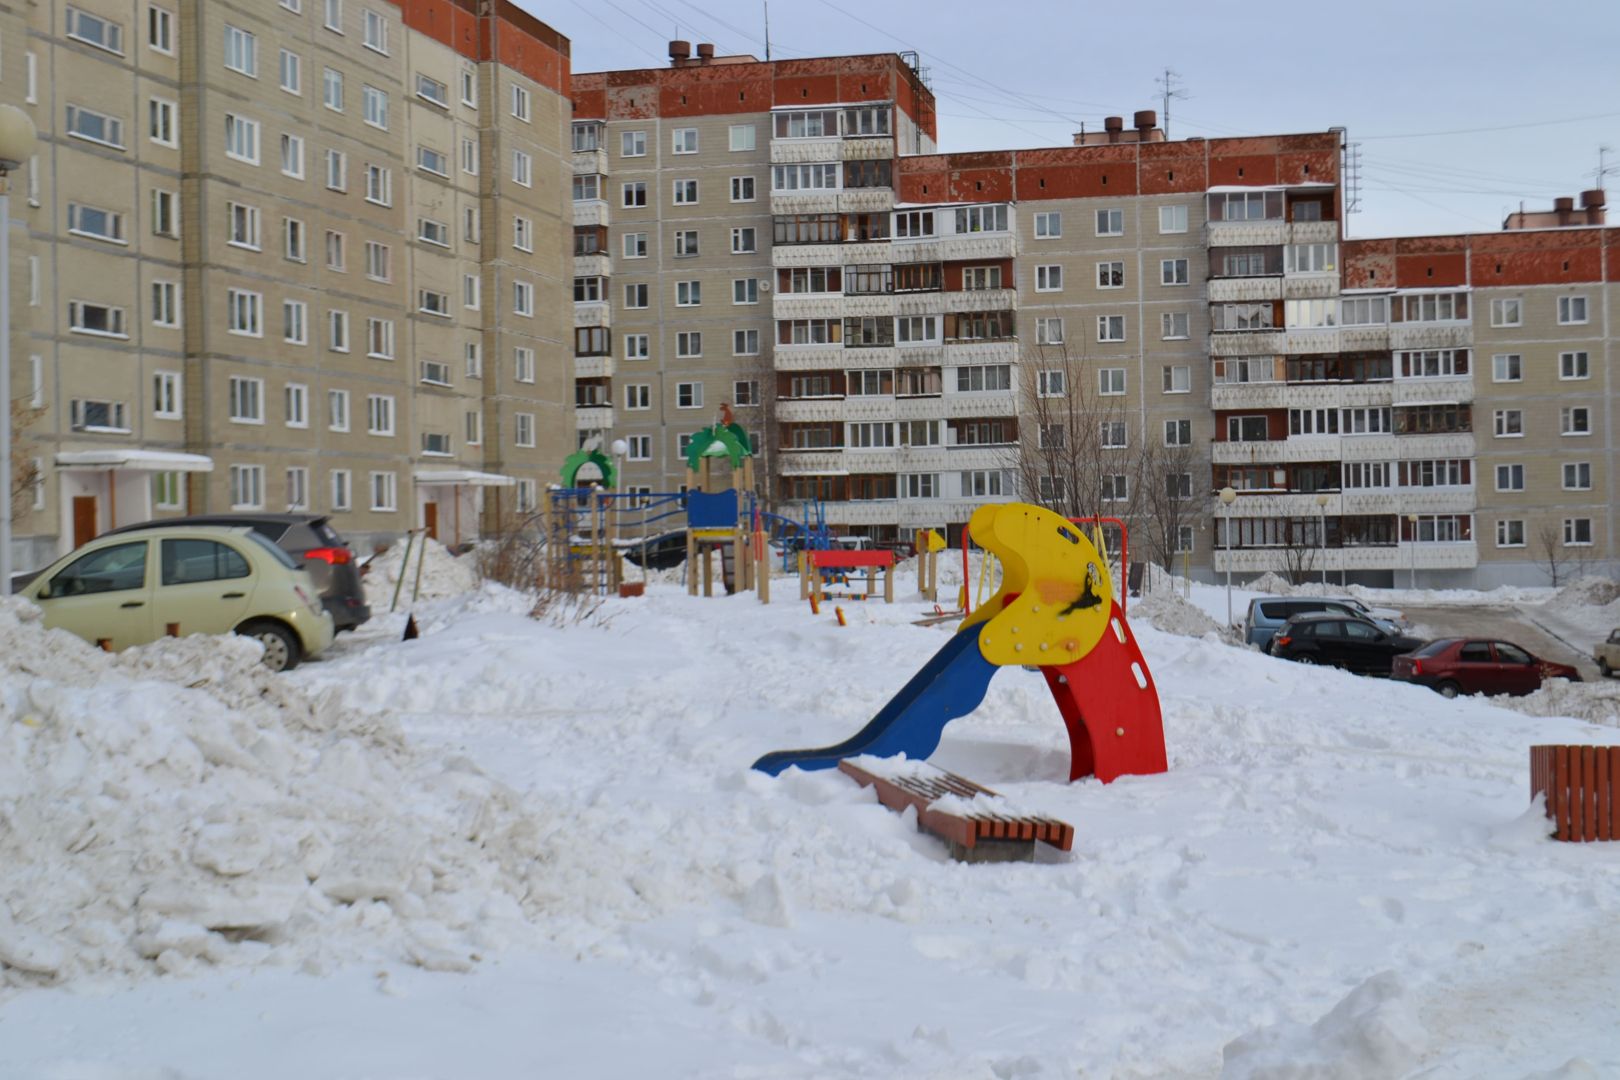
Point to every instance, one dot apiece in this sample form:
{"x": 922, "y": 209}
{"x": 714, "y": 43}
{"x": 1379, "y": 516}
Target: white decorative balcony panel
{"x": 981, "y": 403}
{"x": 1246, "y": 343}
{"x": 925, "y": 459}
{"x": 810, "y": 462}
{"x": 590, "y": 161}
{"x": 981, "y": 352}
{"x": 874, "y": 306}
{"x": 594, "y": 314}
{"x": 1260, "y": 560}
{"x": 593, "y": 418}
{"x": 802, "y": 151}
{"x": 589, "y": 367}
{"x": 920, "y": 356}
{"x": 809, "y": 410}
{"x": 871, "y": 461}
{"x": 1462, "y": 555}
{"x": 981, "y": 300}
{"x": 866, "y": 200}
{"x": 1430, "y": 336}
{"x": 863, "y": 407}
{"x": 1240, "y": 396}
{"x": 1232, "y": 290}
{"x": 807, "y": 305}
{"x": 871, "y": 357}
{"x": 920, "y": 408}
{"x": 1247, "y": 233}
{"x": 1422, "y": 447}
{"x": 1316, "y": 340}
{"x": 1368, "y": 448}
{"x": 868, "y": 149}
{"x": 592, "y": 265}
{"x": 1310, "y": 286}
{"x": 864, "y": 254}
{"x": 914, "y": 251}
{"x": 1313, "y": 232}
{"x": 983, "y": 457}
{"x": 791, "y": 255}
{"x": 921, "y": 303}
{"x": 987, "y": 246}
{"x": 590, "y": 212}
{"x": 808, "y": 357}
{"x": 873, "y": 512}
{"x": 1363, "y": 338}
{"x": 804, "y": 202}
{"x": 1451, "y": 388}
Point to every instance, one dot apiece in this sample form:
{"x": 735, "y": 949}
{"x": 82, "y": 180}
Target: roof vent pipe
{"x": 679, "y": 52}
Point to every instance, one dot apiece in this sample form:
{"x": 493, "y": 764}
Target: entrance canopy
{"x": 134, "y": 460}
{"x": 462, "y": 477}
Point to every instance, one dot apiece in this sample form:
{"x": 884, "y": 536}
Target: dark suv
{"x": 1337, "y": 641}
{"x": 313, "y": 544}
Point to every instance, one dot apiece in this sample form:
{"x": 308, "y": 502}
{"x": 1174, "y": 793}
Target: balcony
{"x": 597, "y": 265}
{"x": 864, "y": 462}
{"x": 1402, "y": 501}
{"x": 920, "y": 407}
{"x": 977, "y": 246}
{"x": 1244, "y": 289}
{"x": 590, "y": 212}
{"x": 787, "y": 256}
{"x": 593, "y": 313}
{"x": 1299, "y": 341}
{"x": 980, "y": 403}
{"x": 809, "y": 358}
{"x": 921, "y": 303}
{"x": 589, "y": 367}
{"x": 807, "y": 305}
{"x": 866, "y": 200}
{"x": 1431, "y": 391}
{"x": 864, "y": 512}
{"x": 863, "y": 407}
{"x": 1246, "y": 233}
{"x": 1298, "y": 395}
{"x": 868, "y": 149}
{"x": 1246, "y": 343}
{"x": 810, "y": 410}
{"x": 804, "y": 202}
{"x": 881, "y": 305}
{"x": 590, "y": 161}
{"x": 1313, "y": 232}
{"x": 913, "y": 251}
{"x": 1310, "y": 286}
{"x": 593, "y": 417}
{"x": 926, "y": 459}
{"x": 1430, "y": 335}
{"x": 982, "y": 457}
{"x": 970, "y": 300}
{"x": 1454, "y": 444}
{"x": 829, "y": 462}
{"x": 1364, "y": 338}
{"x": 804, "y": 151}
{"x": 1458, "y": 556}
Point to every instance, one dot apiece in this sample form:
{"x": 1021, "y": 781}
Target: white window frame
{"x": 168, "y": 399}
{"x": 295, "y": 402}
{"x": 245, "y": 395}
{"x": 1567, "y": 307}
{"x": 337, "y": 410}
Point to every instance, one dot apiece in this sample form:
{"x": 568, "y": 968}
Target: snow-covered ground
{"x": 517, "y": 848}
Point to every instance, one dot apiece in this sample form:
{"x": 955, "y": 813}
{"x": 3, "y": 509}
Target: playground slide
{"x": 950, "y": 685}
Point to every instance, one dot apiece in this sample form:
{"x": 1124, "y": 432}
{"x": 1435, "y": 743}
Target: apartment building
{"x": 289, "y": 254}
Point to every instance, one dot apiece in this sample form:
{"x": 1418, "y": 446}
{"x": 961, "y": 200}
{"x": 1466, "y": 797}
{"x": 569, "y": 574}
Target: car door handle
{"x": 133, "y": 603}
{"x": 232, "y": 595}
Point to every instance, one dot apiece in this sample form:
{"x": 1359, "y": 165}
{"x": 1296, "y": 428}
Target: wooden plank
{"x": 847, "y": 559}
{"x": 1605, "y": 796}
{"x": 1613, "y": 754}
{"x": 1589, "y": 794}
{"x": 1560, "y": 789}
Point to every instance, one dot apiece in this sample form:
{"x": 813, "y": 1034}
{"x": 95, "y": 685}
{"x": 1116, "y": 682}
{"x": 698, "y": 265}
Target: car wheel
{"x": 1304, "y": 659}
{"x": 1448, "y": 689}
{"x": 1604, "y": 669}
{"x": 280, "y": 646}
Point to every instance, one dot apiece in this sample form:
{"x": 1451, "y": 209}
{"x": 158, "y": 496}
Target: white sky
{"x": 1543, "y": 80}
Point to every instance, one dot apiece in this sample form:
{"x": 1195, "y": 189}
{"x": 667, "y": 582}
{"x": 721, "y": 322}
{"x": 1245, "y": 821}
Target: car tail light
{"x": 332, "y": 556}
{"x": 1417, "y": 667}
{"x": 1281, "y": 640}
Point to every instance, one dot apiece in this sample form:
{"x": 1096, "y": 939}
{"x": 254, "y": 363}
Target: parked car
{"x": 1338, "y": 640}
{"x": 1455, "y": 666}
{"x": 312, "y": 542}
{"x": 1267, "y": 614}
{"x": 1607, "y": 654}
{"x": 127, "y": 589}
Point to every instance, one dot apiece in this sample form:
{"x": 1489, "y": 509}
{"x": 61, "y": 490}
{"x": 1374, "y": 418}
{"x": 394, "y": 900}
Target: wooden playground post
{"x": 888, "y": 584}
{"x": 762, "y": 568}
{"x": 804, "y": 575}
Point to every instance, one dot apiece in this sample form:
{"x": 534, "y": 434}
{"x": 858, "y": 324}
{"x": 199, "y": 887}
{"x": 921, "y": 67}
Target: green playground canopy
{"x": 729, "y": 440}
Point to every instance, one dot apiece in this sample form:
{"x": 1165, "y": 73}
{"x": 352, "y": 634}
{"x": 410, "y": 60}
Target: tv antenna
{"x": 1169, "y": 90}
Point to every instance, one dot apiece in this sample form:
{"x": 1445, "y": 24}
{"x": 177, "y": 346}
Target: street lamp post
{"x": 1411, "y": 581}
{"x": 16, "y": 144}
{"x": 1228, "y": 497}
{"x": 1321, "y": 506}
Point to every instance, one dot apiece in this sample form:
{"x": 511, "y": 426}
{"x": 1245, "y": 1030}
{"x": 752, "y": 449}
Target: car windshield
{"x": 276, "y": 553}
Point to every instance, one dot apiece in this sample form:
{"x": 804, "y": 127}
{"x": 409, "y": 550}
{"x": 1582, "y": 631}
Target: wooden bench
{"x": 811, "y": 563}
{"x": 979, "y": 835}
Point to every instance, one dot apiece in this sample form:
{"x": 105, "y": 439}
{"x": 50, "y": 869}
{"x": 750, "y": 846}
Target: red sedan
{"x": 1455, "y": 666}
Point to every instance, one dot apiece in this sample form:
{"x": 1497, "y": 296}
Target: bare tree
{"x": 1301, "y": 553}
{"x": 1169, "y": 493}
{"x": 1557, "y": 561}
{"x": 25, "y": 475}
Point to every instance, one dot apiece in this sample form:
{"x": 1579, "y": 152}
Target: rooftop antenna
{"x": 1168, "y": 92}
{"x": 767, "y": 31}
{"x": 1603, "y": 169}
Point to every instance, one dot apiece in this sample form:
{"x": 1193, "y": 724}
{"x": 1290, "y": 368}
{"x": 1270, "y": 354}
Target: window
{"x": 1178, "y": 433}
{"x": 1510, "y": 478}
{"x": 638, "y": 396}
{"x": 1172, "y": 219}
{"x": 635, "y": 245}
{"x": 166, "y": 397}
{"x": 1049, "y": 279}
{"x": 165, "y": 303}
{"x": 523, "y": 235}
{"x": 243, "y": 226}
{"x": 588, "y": 290}
{"x": 1177, "y": 379}
{"x": 297, "y": 488}
{"x": 337, "y": 170}
{"x": 1115, "y": 488}
{"x": 635, "y": 194}
{"x": 247, "y": 400}
{"x": 340, "y": 489}
{"x": 296, "y": 397}
{"x": 162, "y": 125}
{"x": 95, "y": 222}
{"x": 742, "y": 242}
{"x": 1052, "y": 383}
{"x": 432, "y": 232}
{"x": 1510, "y": 533}
{"x": 1578, "y": 476}
{"x": 168, "y": 493}
{"x": 474, "y": 360}
{"x": 1110, "y": 223}
{"x": 1110, "y": 275}
{"x": 686, "y": 192}
{"x": 1049, "y": 331}
{"x": 745, "y": 290}
{"x": 469, "y": 156}
{"x": 337, "y": 249}
{"x": 1110, "y": 328}
{"x": 919, "y": 486}
{"x": 870, "y": 436}
{"x": 471, "y": 292}
{"x": 337, "y": 331}
{"x": 1246, "y": 206}
{"x": 523, "y": 364}
{"x": 432, "y": 91}
{"x": 977, "y": 278}
{"x": 1310, "y": 258}
{"x": 380, "y": 339}
{"x": 1431, "y": 363}
{"x": 1048, "y": 225}
{"x": 742, "y": 137}
{"x": 332, "y": 89}
{"x": 383, "y": 492}
{"x": 469, "y": 88}
{"x": 292, "y": 156}
{"x": 379, "y": 414}
{"x": 433, "y": 161}
{"x": 520, "y": 103}
{"x": 246, "y": 312}
{"x": 686, "y": 243}
{"x": 1574, "y": 365}
{"x": 523, "y": 429}
{"x": 95, "y": 127}
{"x": 247, "y": 487}
{"x": 469, "y": 224}
{"x": 375, "y": 32}
{"x": 92, "y": 30}
{"x": 474, "y": 428}
{"x": 241, "y": 51}
{"x": 337, "y": 410}
{"x": 988, "y": 377}
{"x": 983, "y": 483}
{"x": 159, "y": 31}
{"x": 1507, "y": 312}
{"x": 1173, "y": 272}
{"x": 633, "y": 144}
{"x": 294, "y": 322}
{"x": 333, "y": 15}
{"x": 1575, "y": 421}
{"x": 1364, "y": 310}
{"x": 435, "y": 373}
{"x": 1430, "y": 307}
{"x": 637, "y": 346}
{"x": 1175, "y": 325}
{"x": 379, "y": 185}
{"x": 523, "y": 299}
{"x": 1577, "y": 532}
{"x": 88, "y": 415}
{"x": 745, "y": 343}
{"x": 1247, "y": 429}
{"x": 1509, "y": 423}
{"x": 684, "y": 141}
{"x": 635, "y": 296}
{"x": 1507, "y": 367}
{"x": 1571, "y": 310}
{"x": 1309, "y": 314}
{"x": 433, "y": 302}
{"x": 689, "y": 343}
{"x": 1110, "y": 381}
{"x": 640, "y": 448}
{"x": 522, "y": 169}
{"x": 817, "y": 177}
{"x": 242, "y": 139}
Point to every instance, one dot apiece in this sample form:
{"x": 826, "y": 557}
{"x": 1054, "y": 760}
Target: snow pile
{"x": 1173, "y": 613}
{"x": 177, "y": 805}
{"x": 1595, "y": 702}
{"x": 1588, "y": 592}
{"x": 442, "y": 574}
{"x": 1372, "y": 1032}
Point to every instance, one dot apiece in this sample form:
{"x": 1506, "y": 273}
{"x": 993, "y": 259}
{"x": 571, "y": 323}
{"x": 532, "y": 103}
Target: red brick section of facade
{"x": 1123, "y": 169}
{"x": 1482, "y": 260}
{"x": 753, "y": 86}
{"x": 506, "y": 34}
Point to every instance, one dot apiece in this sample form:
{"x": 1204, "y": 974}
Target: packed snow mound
{"x": 1588, "y": 592}
{"x": 176, "y": 805}
{"x": 1270, "y": 584}
{"x": 1594, "y": 702}
{"x": 442, "y": 575}
{"x": 1173, "y": 613}
{"x": 1372, "y": 1032}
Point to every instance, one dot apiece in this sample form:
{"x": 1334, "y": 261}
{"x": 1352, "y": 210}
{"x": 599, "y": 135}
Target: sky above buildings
{"x": 1460, "y": 109}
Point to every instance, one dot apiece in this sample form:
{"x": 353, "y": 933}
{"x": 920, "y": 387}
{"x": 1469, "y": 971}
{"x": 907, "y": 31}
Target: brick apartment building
{"x": 1122, "y": 326}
